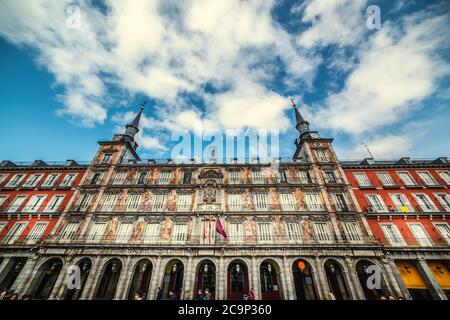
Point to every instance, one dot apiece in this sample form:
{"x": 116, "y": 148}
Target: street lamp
{"x": 205, "y": 268}
{"x": 238, "y": 268}
{"x": 174, "y": 268}
{"x": 269, "y": 268}
{"x": 331, "y": 268}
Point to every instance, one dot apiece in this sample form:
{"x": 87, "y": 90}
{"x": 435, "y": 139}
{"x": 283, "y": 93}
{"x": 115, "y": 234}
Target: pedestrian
{"x": 8, "y": 295}
{"x": 382, "y": 297}
{"x": 137, "y": 295}
{"x": 3, "y": 294}
{"x": 207, "y": 295}
{"x": 26, "y": 297}
{"x": 159, "y": 294}
{"x": 15, "y": 296}
{"x": 251, "y": 295}
{"x": 172, "y": 295}
{"x": 199, "y": 295}
{"x": 390, "y": 297}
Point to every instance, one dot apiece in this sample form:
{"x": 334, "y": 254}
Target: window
{"x": 313, "y": 202}
{"x": 2, "y": 226}
{"x": 133, "y": 202}
{"x": 236, "y": 232}
{"x": 234, "y": 177}
{"x": 385, "y": 179}
{"x": 2, "y": 200}
{"x": 34, "y": 203}
{"x": 235, "y": 202}
{"x": 151, "y": 233}
{"x": 97, "y": 231}
{"x": 96, "y": 178}
{"x": 351, "y": 230}
{"x": 443, "y": 198}
{"x": 401, "y": 203}
{"x": 109, "y": 202}
{"x": 84, "y": 202}
{"x": 445, "y": 175}
{"x": 420, "y": 235}
{"x": 287, "y": 202}
{"x": 393, "y": 235}
{"x": 15, "y": 205}
{"x": 119, "y": 178}
{"x": 424, "y": 202}
{"x": 51, "y": 179}
{"x": 107, "y": 158}
{"x": 15, "y": 181}
{"x": 444, "y": 230}
{"x": 187, "y": 177}
{"x": 68, "y": 180}
{"x": 37, "y": 232}
{"x": 376, "y": 203}
{"x": 330, "y": 177}
{"x": 293, "y": 231}
{"x": 407, "y": 179}
{"x": 362, "y": 179}
{"x": 32, "y": 180}
{"x": 3, "y": 177}
{"x": 304, "y": 177}
{"x": 322, "y": 156}
{"x": 184, "y": 202}
{"x": 321, "y": 231}
{"x": 158, "y": 202}
{"x": 69, "y": 231}
{"x": 15, "y": 232}
{"x": 164, "y": 177}
{"x": 339, "y": 202}
{"x": 124, "y": 232}
{"x": 427, "y": 178}
{"x": 282, "y": 177}
{"x": 142, "y": 177}
{"x": 54, "y": 204}
{"x": 264, "y": 232}
{"x": 257, "y": 177}
{"x": 179, "y": 234}
{"x": 261, "y": 201}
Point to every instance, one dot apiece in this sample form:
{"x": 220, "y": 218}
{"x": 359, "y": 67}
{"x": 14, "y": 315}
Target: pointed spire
{"x": 137, "y": 118}
{"x": 298, "y": 116}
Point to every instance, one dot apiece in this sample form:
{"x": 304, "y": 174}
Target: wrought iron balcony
{"x": 405, "y": 209}
{"x": 415, "y": 242}
{"x": 20, "y": 209}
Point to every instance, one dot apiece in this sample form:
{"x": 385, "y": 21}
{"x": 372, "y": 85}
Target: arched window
{"x": 303, "y": 280}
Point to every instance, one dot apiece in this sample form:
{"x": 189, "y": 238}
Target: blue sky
{"x": 207, "y": 66}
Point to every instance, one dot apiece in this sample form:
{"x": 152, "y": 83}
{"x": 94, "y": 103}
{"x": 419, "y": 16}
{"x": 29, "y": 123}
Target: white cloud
{"x": 382, "y": 147}
{"x": 397, "y": 70}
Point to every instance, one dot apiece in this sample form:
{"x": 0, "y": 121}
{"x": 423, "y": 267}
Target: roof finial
{"x": 143, "y": 105}
{"x": 292, "y": 99}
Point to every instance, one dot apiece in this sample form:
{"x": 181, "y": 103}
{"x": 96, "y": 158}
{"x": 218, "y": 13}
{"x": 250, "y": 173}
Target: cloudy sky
{"x": 73, "y": 72}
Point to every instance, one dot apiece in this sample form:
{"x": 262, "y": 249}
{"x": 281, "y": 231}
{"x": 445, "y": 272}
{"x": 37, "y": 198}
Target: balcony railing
{"x": 333, "y": 181}
{"x": 415, "y": 242}
{"x": 405, "y": 209}
{"x": 205, "y": 240}
{"x": 19, "y": 209}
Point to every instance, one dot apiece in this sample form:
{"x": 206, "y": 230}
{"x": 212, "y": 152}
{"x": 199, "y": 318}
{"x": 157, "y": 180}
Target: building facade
{"x": 294, "y": 229}
{"x": 32, "y": 198}
{"x": 406, "y": 204}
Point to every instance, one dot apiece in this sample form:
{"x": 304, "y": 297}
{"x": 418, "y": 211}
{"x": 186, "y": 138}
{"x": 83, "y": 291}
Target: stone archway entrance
{"x": 237, "y": 280}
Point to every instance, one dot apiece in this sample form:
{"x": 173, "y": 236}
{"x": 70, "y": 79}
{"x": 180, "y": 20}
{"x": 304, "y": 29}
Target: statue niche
{"x": 210, "y": 192}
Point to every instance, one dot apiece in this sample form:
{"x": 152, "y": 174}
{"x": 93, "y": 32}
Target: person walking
{"x": 207, "y": 295}
{"x": 172, "y": 295}
{"x": 159, "y": 293}
{"x": 199, "y": 295}
{"x": 251, "y": 295}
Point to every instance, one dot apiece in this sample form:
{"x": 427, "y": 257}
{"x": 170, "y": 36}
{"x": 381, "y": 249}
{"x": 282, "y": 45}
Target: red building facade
{"x": 32, "y": 198}
{"x": 406, "y": 204}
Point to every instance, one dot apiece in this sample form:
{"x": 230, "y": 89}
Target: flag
{"x": 219, "y": 229}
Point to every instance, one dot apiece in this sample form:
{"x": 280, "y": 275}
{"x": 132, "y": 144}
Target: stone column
{"x": 3, "y": 271}
{"x": 323, "y": 283}
{"x": 255, "y": 283}
{"x": 430, "y": 280}
{"x": 127, "y": 278}
{"x": 221, "y": 277}
{"x": 189, "y": 276}
{"x": 58, "y": 289}
{"x": 156, "y": 274}
{"x": 91, "y": 282}
{"x": 289, "y": 289}
{"x": 25, "y": 277}
{"x": 354, "y": 284}
{"x": 398, "y": 279}
{"x": 124, "y": 275}
{"x": 390, "y": 279}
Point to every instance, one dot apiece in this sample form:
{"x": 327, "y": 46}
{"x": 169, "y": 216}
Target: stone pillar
{"x": 323, "y": 283}
{"x": 156, "y": 274}
{"x": 391, "y": 280}
{"x": 255, "y": 283}
{"x": 124, "y": 275}
{"x": 394, "y": 272}
{"x": 430, "y": 280}
{"x": 25, "y": 277}
{"x": 58, "y": 289}
{"x": 189, "y": 277}
{"x": 354, "y": 284}
{"x": 3, "y": 271}
{"x": 289, "y": 289}
{"x": 127, "y": 278}
{"x": 221, "y": 278}
{"x": 91, "y": 282}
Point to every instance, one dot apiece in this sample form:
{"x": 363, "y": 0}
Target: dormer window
{"x": 107, "y": 158}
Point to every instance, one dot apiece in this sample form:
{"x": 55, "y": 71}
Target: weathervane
{"x": 143, "y": 105}
{"x": 293, "y": 102}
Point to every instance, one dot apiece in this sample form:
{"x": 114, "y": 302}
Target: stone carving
{"x": 250, "y": 230}
{"x": 274, "y": 199}
{"x": 138, "y": 231}
{"x": 172, "y": 201}
{"x": 247, "y": 198}
{"x": 209, "y": 192}
{"x": 176, "y": 176}
{"x": 166, "y": 229}
{"x": 307, "y": 229}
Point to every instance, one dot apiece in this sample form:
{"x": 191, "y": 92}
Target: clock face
{"x": 314, "y": 135}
